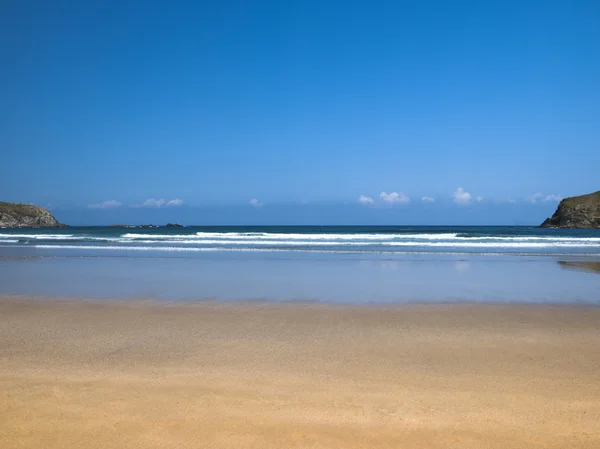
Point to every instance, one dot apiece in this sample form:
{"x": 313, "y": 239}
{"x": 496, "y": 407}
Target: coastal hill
{"x": 576, "y": 212}
{"x": 13, "y": 215}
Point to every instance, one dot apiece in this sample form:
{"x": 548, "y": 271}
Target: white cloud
{"x": 153, "y": 203}
{"x": 461, "y": 197}
{"x": 175, "y": 202}
{"x": 394, "y": 198}
{"x": 363, "y": 199}
{"x": 553, "y": 198}
{"x": 534, "y": 197}
{"x": 479, "y": 199}
{"x": 427, "y": 199}
{"x": 254, "y": 202}
{"x": 542, "y": 197}
{"x": 161, "y": 203}
{"x": 109, "y": 204}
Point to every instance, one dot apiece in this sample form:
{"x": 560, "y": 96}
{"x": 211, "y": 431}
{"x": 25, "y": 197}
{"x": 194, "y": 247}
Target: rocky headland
{"x": 14, "y": 215}
{"x": 576, "y": 212}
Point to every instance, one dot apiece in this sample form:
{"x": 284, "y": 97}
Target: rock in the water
{"x": 173, "y": 225}
{"x": 576, "y": 212}
{"x": 13, "y": 215}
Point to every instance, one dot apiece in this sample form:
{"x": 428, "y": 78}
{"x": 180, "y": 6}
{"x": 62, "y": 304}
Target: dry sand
{"x": 141, "y": 374}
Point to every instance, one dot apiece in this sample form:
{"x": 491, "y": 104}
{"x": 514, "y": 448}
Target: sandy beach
{"x": 144, "y": 374}
{"x": 593, "y": 267}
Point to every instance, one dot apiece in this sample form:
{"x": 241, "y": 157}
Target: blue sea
{"x": 358, "y": 264}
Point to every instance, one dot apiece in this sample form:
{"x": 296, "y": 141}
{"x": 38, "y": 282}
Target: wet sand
{"x": 593, "y": 267}
{"x": 144, "y": 374}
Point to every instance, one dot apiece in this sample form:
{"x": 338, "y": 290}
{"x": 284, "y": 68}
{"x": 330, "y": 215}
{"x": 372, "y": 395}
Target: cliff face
{"x": 14, "y": 215}
{"x": 576, "y": 212}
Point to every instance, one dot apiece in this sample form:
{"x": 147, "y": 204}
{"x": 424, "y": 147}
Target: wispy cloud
{"x": 161, "y": 203}
{"x": 462, "y": 197}
{"x": 427, "y": 199}
{"x": 553, "y": 198}
{"x": 254, "y": 202}
{"x": 479, "y": 199}
{"x": 109, "y": 204}
{"x": 394, "y": 198}
{"x": 153, "y": 203}
{"x": 534, "y": 198}
{"x": 363, "y": 199}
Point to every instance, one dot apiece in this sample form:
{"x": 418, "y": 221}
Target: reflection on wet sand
{"x": 593, "y": 267}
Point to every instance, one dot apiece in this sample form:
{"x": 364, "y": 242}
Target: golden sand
{"x": 593, "y": 267}
{"x": 141, "y": 374}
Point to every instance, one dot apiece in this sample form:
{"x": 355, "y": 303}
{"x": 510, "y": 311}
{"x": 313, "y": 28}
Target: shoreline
{"x": 352, "y": 279}
{"x": 398, "y": 305}
{"x": 254, "y": 374}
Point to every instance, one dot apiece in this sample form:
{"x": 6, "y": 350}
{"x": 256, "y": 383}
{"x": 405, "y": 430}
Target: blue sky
{"x": 302, "y": 106}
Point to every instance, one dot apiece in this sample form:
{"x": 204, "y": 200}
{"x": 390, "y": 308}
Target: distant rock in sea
{"x": 14, "y": 215}
{"x": 576, "y": 212}
{"x": 168, "y": 225}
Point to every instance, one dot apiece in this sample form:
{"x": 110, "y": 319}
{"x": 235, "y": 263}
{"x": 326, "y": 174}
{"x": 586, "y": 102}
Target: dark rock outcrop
{"x": 173, "y": 225}
{"x": 13, "y": 215}
{"x": 576, "y": 212}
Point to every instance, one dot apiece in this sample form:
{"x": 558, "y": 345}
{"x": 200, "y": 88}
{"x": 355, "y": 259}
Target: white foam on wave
{"x": 303, "y": 239}
{"x": 157, "y": 236}
{"x": 496, "y": 245}
{"x": 448, "y": 244}
{"x": 260, "y": 242}
{"x": 277, "y": 250}
{"x": 200, "y": 244}
{"x": 40, "y": 236}
{"x": 132, "y": 248}
{"x": 542, "y": 238}
{"x": 284, "y": 236}
{"x": 8, "y": 241}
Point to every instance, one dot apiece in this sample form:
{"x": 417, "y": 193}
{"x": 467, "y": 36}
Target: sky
{"x": 299, "y": 112}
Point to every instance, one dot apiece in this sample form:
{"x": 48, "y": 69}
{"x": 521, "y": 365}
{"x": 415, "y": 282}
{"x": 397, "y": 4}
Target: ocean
{"x": 331, "y": 239}
{"x": 330, "y": 263}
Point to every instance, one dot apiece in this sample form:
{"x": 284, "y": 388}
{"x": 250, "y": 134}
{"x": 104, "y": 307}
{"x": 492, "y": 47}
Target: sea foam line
{"x": 280, "y": 236}
{"x": 257, "y": 237}
{"x": 296, "y": 243}
{"x": 447, "y": 244}
{"x": 312, "y": 250}
{"x": 39, "y": 236}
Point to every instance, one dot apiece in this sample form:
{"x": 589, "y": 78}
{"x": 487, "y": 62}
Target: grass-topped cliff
{"x": 14, "y": 215}
{"x": 590, "y": 199}
{"x": 576, "y": 212}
